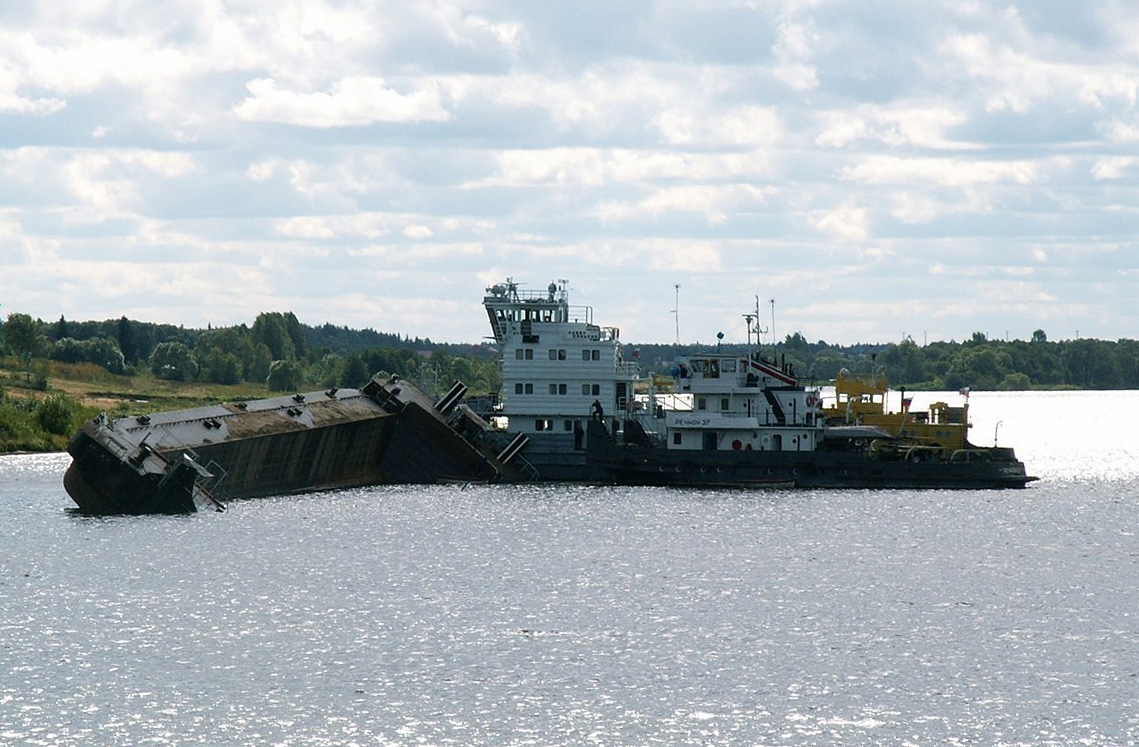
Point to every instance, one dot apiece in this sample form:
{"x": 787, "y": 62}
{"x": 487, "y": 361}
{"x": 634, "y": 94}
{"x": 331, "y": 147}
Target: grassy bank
{"x": 42, "y": 407}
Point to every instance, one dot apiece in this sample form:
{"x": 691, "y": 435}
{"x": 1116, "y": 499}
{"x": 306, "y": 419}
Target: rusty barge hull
{"x": 180, "y": 461}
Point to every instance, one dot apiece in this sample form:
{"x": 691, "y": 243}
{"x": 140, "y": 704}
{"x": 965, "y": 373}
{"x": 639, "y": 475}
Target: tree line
{"x": 276, "y": 350}
{"x": 280, "y": 351}
{"x": 978, "y": 363}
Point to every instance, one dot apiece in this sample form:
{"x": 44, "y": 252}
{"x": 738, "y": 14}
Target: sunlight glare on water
{"x": 551, "y": 615}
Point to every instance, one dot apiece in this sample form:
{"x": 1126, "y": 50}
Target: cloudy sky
{"x": 878, "y": 168}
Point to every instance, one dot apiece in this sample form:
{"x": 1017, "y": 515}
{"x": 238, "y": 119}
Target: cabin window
{"x": 543, "y": 425}
{"x": 561, "y": 354}
{"x": 529, "y": 388}
{"x": 553, "y": 354}
{"x": 596, "y": 390}
{"x": 518, "y": 354}
{"x": 585, "y": 390}
{"x": 724, "y": 404}
{"x": 518, "y": 389}
{"x": 568, "y": 425}
{"x": 562, "y": 389}
{"x": 585, "y": 355}
{"x": 596, "y": 354}
{"x": 676, "y": 438}
{"x": 529, "y": 354}
{"x": 553, "y": 388}
{"x": 701, "y": 403}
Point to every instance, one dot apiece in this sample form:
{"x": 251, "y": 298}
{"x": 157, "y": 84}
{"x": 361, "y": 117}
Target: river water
{"x": 593, "y": 616}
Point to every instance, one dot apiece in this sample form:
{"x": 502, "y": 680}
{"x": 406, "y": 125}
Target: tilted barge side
{"x": 386, "y": 432}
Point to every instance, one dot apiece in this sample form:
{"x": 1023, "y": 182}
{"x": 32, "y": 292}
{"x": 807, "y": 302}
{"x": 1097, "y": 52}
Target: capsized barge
{"x": 386, "y": 432}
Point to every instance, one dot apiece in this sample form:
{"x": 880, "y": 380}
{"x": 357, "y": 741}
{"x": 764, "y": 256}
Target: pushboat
{"x": 572, "y": 409}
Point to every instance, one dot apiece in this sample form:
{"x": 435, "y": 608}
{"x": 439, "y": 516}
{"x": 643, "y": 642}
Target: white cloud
{"x": 793, "y": 52}
{"x": 418, "y": 232}
{"x": 922, "y": 124}
{"x": 721, "y": 145}
{"x": 950, "y": 172}
{"x": 351, "y": 102}
{"x": 847, "y": 222}
{"x": 1114, "y": 167}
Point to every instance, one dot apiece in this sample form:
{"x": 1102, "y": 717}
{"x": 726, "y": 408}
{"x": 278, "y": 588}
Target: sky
{"x": 860, "y": 170}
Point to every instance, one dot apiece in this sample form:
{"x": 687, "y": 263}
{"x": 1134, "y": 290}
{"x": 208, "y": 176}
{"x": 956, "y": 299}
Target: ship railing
{"x": 496, "y": 441}
{"x": 628, "y": 370}
{"x": 528, "y": 470}
{"x": 123, "y": 448}
{"x": 216, "y": 478}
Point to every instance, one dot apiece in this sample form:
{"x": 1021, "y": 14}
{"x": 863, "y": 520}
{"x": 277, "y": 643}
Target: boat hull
{"x": 176, "y": 462}
{"x": 610, "y": 461}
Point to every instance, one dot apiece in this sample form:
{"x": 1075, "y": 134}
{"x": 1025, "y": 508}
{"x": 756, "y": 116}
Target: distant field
{"x": 91, "y": 389}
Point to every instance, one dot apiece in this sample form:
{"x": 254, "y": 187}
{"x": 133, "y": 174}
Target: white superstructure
{"x": 558, "y": 367}
{"x": 742, "y": 403}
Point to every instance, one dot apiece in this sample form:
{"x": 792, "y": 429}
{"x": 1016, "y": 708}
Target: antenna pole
{"x": 774, "y": 339}
{"x": 676, "y": 313}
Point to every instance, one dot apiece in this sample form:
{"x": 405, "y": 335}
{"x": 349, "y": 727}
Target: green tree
{"x": 220, "y": 367}
{"x": 905, "y": 363}
{"x": 68, "y": 350}
{"x": 61, "y": 329}
{"x": 272, "y": 330}
{"x": 105, "y": 352}
{"x": 57, "y": 414}
{"x": 285, "y": 376}
{"x": 353, "y": 373}
{"x": 1015, "y": 382}
{"x": 173, "y": 361}
{"x": 257, "y": 365}
{"x": 124, "y": 331}
{"x": 24, "y": 337}
{"x": 1090, "y": 364}
{"x": 978, "y": 367}
{"x": 296, "y": 333}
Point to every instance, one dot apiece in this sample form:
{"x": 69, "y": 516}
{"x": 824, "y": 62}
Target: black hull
{"x": 101, "y": 483}
{"x": 978, "y": 469}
